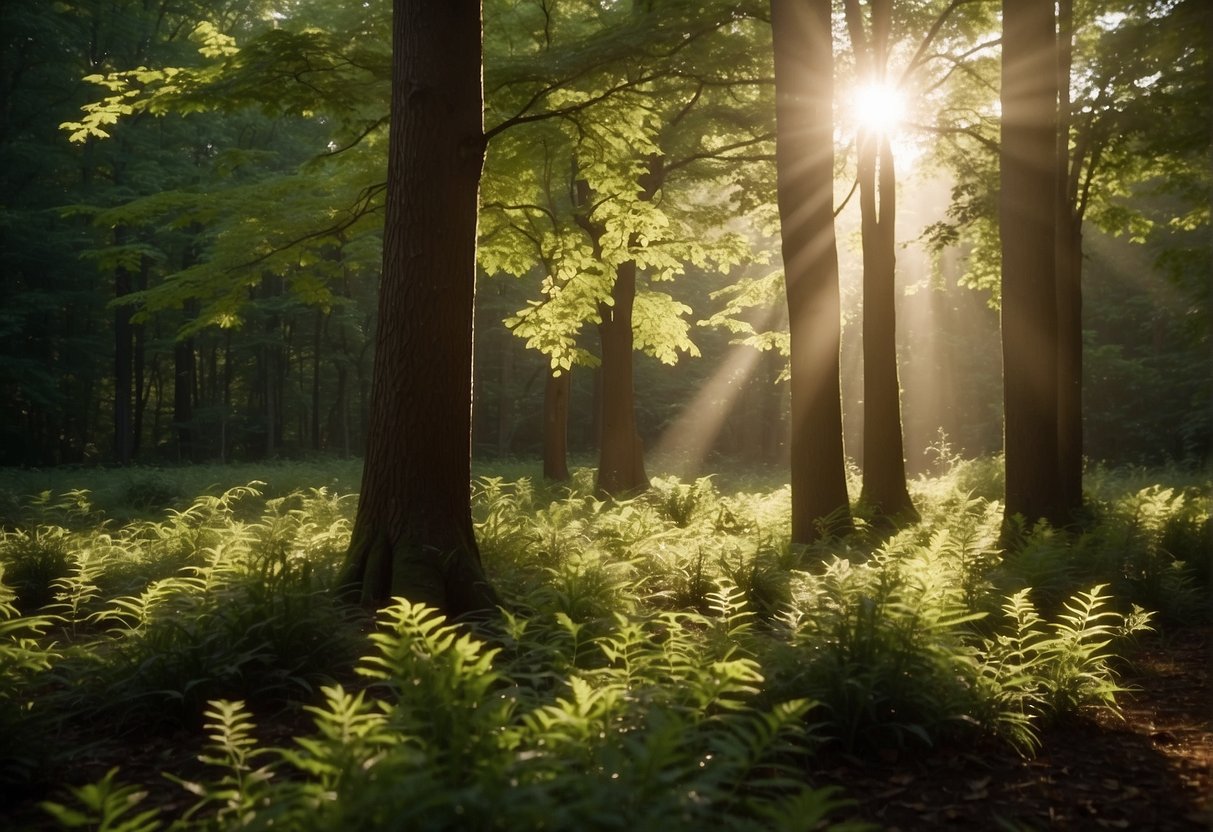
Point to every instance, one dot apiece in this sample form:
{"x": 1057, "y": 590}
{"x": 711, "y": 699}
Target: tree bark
{"x": 123, "y": 370}
{"x": 317, "y": 349}
{"x": 138, "y": 369}
{"x": 1027, "y": 214}
{"x": 1069, "y": 287}
{"x": 884, "y": 466}
{"x": 556, "y": 393}
{"x": 620, "y": 451}
{"x": 804, "y": 153}
{"x": 183, "y": 397}
{"x": 505, "y": 401}
{"x": 413, "y": 531}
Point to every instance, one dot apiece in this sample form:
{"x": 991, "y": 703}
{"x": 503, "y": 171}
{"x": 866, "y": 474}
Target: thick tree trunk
{"x": 620, "y": 451}
{"x": 1029, "y": 302}
{"x": 804, "y": 91}
{"x": 556, "y": 393}
{"x": 884, "y": 466}
{"x": 413, "y": 531}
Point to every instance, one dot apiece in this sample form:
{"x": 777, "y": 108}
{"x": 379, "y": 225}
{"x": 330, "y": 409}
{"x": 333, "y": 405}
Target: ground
{"x": 1151, "y": 771}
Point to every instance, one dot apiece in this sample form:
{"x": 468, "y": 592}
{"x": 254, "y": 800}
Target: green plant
{"x": 106, "y": 806}
{"x": 1055, "y": 669}
{"x": 24, "y": 657}
{"x": 882, "y": 647}
{"x": 680, "y": 501}
{"x": 33, "y": 560}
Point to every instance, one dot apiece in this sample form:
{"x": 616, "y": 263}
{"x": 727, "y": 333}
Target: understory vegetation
{"x": 664, "y": 662}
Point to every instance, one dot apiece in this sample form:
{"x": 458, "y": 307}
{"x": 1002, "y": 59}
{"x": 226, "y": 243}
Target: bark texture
{"x": 556, "y": 393}
{"x": 884, "y": 467}
{"x": 804, "y": 91}
{"x": 413, "y": 533}
{"x": 1069, "y": 285}
{"x": 620, "y": 451}
{"x": 1027, "y": 214}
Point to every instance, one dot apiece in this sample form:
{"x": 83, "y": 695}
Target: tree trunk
{"x": 505, "y": 398}
{"x": 1069, "y": 371}
{"x": 884, "y": 466}
{"x": 804, "y": 91}
{"x": 183, "y": 397}
{"x": 620, "y": 451}
{"x": 413, "y": 532}
{"x": 123, "y": 369}
{"x": 138, "y": 369}
{"x": 1069, "y": 287}
{"x": 556, "y": 393}
{"x": 317, "y": 349}
{"x": 1027, "y": 213}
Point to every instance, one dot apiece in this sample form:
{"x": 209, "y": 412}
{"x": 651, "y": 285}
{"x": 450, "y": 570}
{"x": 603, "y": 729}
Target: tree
{"x": 413, "y": 532}
{"x": 661, "y": 120}
{"x": 805, "y": 175}
{"x": 1027, "y": 218}
{"x": 884, "y": 467}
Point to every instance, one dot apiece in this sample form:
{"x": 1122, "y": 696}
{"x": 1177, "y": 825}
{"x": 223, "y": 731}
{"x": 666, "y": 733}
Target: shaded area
{"x": 1152, "y": 771}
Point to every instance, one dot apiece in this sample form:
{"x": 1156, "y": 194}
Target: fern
{"x": 240, "y": 789}
{"x": 106, "y": 806}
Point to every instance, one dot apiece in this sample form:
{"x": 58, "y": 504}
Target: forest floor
{"x": 1151, "y": 771}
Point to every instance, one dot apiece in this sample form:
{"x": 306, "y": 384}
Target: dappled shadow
{"x": 1151, "y": 771}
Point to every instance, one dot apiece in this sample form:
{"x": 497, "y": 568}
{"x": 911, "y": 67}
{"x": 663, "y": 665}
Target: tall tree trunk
{"x": 413, "y": 532}
{"x": 505, "y": 399}
{"x": 1069, "y": 369}
{"x": 556, "y": 393}
{"x": 884, "y": 466}
{"x": 138, "y": 369}
{"x": 804, "y": 153}
{"x": 620, "y": 451}
{"x": 339, "y": 413}
{"x": 1027, "y": 214}
{"x": 226, "y": 414}
{"x": 1069, "y": 286}
{"x": 317, "y": 349}
{"x": 183, "y": 397}
{"x": 123, "y": 369}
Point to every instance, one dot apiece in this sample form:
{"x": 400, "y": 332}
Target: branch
{"x": 985, "y": 141}
{"x": 526, "y": 206}
{"x": 847, "y": 199}
{"x": 920, "y": 56}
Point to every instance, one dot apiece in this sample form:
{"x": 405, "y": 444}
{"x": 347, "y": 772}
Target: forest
{"x": 606, "y": 414}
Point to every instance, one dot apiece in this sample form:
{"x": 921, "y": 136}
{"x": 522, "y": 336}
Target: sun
{"x": 879, "y": 108}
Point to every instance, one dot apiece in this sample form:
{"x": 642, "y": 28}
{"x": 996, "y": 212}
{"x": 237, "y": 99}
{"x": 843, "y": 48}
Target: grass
{"x": 668, "y": 661}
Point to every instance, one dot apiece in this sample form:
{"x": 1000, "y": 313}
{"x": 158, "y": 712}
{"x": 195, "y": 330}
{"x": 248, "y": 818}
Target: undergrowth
{"x": 667, "y": 661}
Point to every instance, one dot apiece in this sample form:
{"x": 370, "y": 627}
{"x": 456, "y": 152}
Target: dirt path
{"x": 1153, "y": 771}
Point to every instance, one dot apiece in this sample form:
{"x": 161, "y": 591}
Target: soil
{"x": 1153, "y": 770}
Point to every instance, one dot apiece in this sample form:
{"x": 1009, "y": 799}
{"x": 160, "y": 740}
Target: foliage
{"x": 668, "y": 660}
{"x": 25, "y": 655}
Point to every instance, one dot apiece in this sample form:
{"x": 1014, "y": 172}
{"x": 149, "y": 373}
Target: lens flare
{"x": 879, "y": 108}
